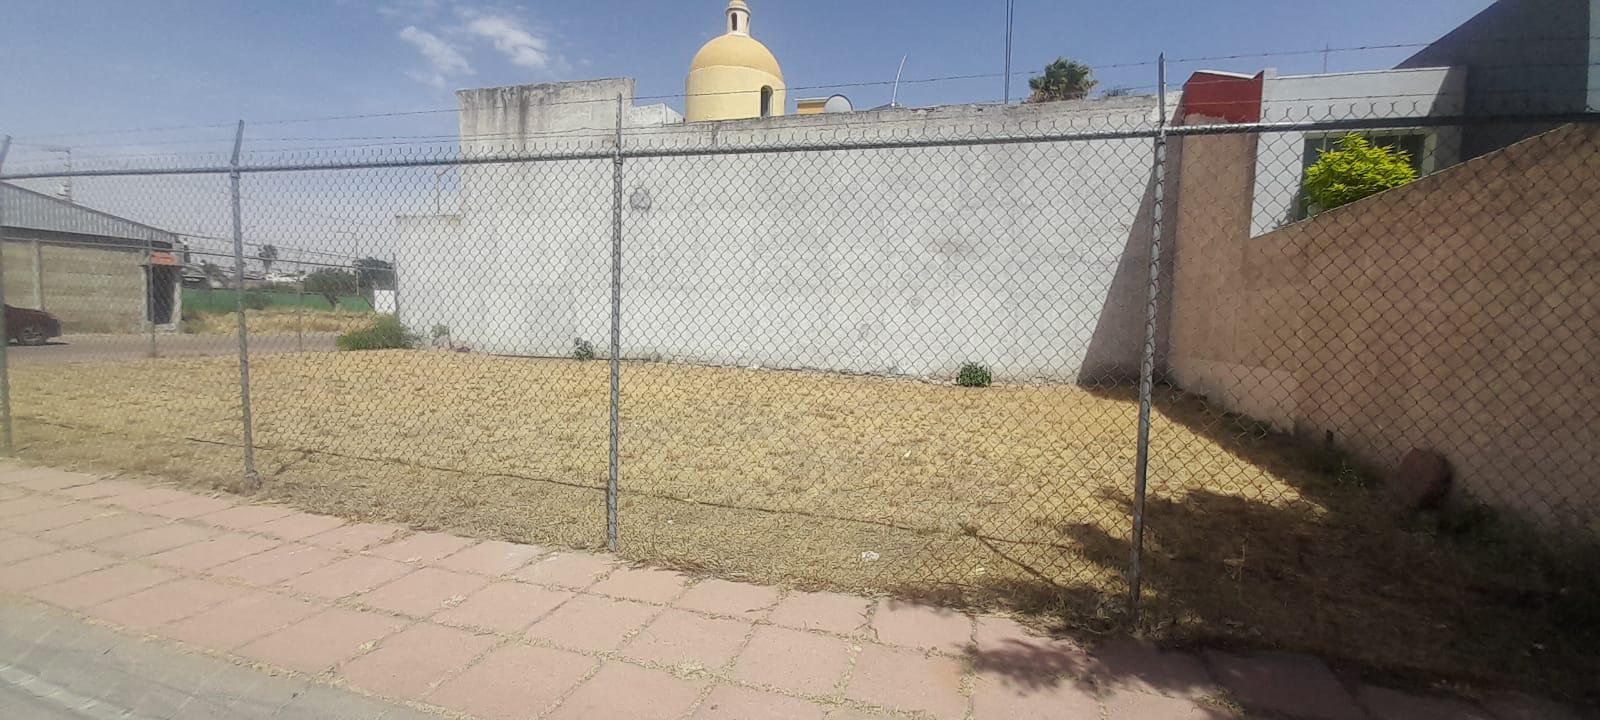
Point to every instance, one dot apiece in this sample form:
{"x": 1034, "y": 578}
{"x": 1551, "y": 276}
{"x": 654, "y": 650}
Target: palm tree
{"x": 1062, "y": 80}
{"x": 267, "y": 255}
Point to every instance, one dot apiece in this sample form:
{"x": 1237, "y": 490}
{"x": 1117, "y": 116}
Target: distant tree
{"x": 268, "y": 254}
{"x": 1354, "y": 169}
{"x": 213, "y": 273}
{"x": 374, "y": 274}
{"x": 330, "y": 283}
{"x": 1062, "y": 80}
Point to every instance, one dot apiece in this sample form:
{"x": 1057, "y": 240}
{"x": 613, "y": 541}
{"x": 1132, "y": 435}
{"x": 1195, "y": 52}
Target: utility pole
{"x": 1011, "y": 11}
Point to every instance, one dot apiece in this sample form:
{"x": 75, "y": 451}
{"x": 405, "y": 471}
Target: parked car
{"x": 30, "y": 327}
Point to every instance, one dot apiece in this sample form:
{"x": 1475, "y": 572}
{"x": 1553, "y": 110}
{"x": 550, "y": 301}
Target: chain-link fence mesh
{"x": 890, "y": 357}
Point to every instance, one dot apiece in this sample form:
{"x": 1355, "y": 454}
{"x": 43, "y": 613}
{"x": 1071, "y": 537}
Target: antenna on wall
{"x": 895, "y": 95}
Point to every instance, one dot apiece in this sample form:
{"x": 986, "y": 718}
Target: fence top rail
{"x": 599, "y": 153}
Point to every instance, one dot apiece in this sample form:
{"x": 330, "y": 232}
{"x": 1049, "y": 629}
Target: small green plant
{"x": 974, "y": 374}
{"x": 582, "y": 350}
{"x": 1355, "y": 169}
{"x": 440, "y": 330}
{"x": 384, "y": 333}
{"x": 256, "y": 301}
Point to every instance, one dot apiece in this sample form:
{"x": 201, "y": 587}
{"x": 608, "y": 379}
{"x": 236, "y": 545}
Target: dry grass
{"x": 1014, "y": 495}
{"x": 277, "y": 321}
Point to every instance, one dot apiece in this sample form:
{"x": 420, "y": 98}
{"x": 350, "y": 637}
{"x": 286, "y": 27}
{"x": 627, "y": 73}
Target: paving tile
{"x": 100, "y": 528}
{"x": 577, "y": 570}
{"x": 238, "y": 621}
{"x": 424, "y": 592}
{"x": 323, "y": 640}
{"x": 1284, "y": 683}
{"x": 1144, "y": 706}
{"x": 356, "y": 537}
{"x": 156, "y": 540}
{"x": 516, "y": 681}
{"x": 277, "y": 565}
{"x": 831, "y": 612}
{"x": 166, "y": 603}
{"x": 642, "y": 584}
{"x": 1006, "y": 646}
{"x": 592, "y": 623}
{"x": 298, "y": 525}
{"x": 16, "y": 549}
{"x": 1386, "y": 704}
{"x": 245, "y": 517}
{"x": 39, "y": 522}
{"x": 1126, "y": 664}
{"x": 721, "y": 597}
{"x": 408, "y": 664}
{"x": 908, "y": 681}
{"x": 794, "y": 660}
{"x": 421, "y": 547}
{"x": 924, "y": 627}
{"x": 492, "y": 558}
{"x": 620, "y": 690}
{"x": 997, "y": 695}
{"x": 349, "y": 576}
{"x": 99, "y": 489}
{"x": 41, "y": 479}
{"x": 147, "y": 498}
{"x": 50, "y": 568}
{"x": 728, "y": 702}
{"x": 206, "y": 554}
{"x": 507, "y": 607}
{"x": 24, "y": 506}
{"x": 681, "y": 638}
{"x": 102, "y": 585}
{"x": 189, "y": 507}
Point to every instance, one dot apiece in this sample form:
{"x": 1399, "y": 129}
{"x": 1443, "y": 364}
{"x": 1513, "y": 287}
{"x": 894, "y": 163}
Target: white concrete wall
{"x": 1374, "y": 94}
{"x": 1028, "y": 257}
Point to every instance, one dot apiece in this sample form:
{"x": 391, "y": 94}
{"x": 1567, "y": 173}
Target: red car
{"x": 30, "y": 327}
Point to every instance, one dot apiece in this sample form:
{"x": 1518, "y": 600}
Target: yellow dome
{"x": 734, "y": 50}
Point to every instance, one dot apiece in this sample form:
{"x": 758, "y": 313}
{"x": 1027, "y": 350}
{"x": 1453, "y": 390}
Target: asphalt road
{"x": 99, "y": 348}
{"x": 56, "y": 667}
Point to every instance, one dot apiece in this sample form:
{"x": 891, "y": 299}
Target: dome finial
{"x": 738, "y": 17}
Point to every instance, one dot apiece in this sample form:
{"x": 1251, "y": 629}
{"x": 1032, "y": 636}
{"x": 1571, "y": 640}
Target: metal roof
{"x": 26, "y": 209}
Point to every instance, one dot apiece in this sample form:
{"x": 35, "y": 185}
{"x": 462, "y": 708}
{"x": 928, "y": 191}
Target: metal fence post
{"x": 1147, "y": 362}
{"x": 394, "y": 283}
{"x": 300, "y": 312}
{"x": 149, "y": 292}
{"x": 5, "y": 335}
{"x": 616, "y": 334}
{"x": 250, "y": 474}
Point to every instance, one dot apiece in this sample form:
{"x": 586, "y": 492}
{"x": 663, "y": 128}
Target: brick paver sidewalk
{"x": 500, "y": 630}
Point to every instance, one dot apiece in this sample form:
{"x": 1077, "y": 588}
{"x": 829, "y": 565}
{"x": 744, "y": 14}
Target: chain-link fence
{"x": 1046, "y": 357}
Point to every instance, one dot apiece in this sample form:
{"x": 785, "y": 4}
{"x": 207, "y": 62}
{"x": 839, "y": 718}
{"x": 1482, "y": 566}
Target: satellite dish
{"x": 837, "y": 104}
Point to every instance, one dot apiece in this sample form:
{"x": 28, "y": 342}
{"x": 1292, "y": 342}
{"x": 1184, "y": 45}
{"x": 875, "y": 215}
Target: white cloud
{"x": 444, "y": 61}
{"x": 512, "y": 39}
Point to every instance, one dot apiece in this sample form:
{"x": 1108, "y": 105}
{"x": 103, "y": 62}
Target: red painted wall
{"x": 1230, "y": 98}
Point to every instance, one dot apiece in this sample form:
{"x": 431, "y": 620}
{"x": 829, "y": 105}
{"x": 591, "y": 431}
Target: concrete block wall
{"x": 1031, "y": 258}
{"x": 90, "y": 289}
{"x": 1457, "y": 313}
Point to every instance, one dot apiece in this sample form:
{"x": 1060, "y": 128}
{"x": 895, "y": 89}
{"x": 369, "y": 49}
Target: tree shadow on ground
{"x": 1304, "y": 557}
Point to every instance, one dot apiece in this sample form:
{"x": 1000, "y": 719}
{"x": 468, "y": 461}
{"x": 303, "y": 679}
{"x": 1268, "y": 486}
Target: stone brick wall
{"x": 1458, "y": 313}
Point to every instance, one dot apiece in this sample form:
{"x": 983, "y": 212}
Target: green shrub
{"x": 974, "y": 375}
{"x": 1353, "y": 170}
{"x": 256, "y": 301}
{"x": 384, "y": 333}
{"x": 582, "y": 350}
{"x": 440, "y": 330}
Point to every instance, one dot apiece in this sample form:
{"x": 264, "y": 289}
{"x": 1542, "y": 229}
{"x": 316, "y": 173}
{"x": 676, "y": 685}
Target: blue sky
{"x": 69, "y": 67}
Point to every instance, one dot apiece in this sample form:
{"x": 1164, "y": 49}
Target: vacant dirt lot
{"x": 1016, "y": 495}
